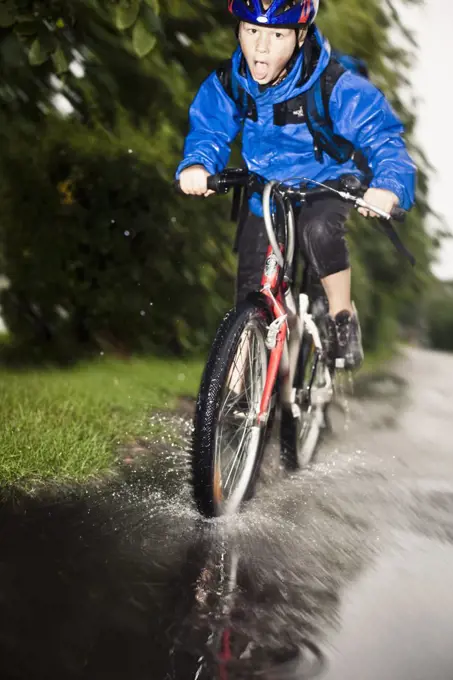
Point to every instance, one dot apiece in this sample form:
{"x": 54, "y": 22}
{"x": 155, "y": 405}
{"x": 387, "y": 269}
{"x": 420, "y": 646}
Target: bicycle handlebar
{"x": 397, "y": 214}
{"x": 228, "y": 179}
{"x": 351, "y": 191}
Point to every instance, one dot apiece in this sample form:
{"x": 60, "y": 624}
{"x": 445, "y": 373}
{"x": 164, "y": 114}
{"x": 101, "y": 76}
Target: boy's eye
{"x": 252, "y": 31}
{"x": 279, "y": 35}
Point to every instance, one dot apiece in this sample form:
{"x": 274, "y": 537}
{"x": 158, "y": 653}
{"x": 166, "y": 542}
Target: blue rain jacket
{"x": 358, "y": 110}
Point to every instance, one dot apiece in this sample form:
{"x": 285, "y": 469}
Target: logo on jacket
{"x": 299, "y": 112}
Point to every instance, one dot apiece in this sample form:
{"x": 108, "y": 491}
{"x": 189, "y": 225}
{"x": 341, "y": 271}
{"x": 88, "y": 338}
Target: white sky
{"x": 432, "y": 83}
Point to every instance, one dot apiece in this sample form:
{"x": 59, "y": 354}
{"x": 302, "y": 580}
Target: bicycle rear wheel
{"x": 300, "y": 436}
{"x": 228, "y": 441}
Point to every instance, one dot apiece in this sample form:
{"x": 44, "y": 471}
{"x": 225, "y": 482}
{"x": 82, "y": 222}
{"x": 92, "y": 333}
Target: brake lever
{"x": 363, "y": 204}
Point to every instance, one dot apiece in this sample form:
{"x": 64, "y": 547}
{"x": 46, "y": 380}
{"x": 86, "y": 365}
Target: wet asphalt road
{"x": 343, "y": 571}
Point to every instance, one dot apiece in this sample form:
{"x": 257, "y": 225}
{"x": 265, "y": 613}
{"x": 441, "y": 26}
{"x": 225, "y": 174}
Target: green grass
{"x": 65, "y": 425}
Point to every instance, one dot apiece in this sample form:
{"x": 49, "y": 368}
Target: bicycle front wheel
{"x": 228, "y": 440}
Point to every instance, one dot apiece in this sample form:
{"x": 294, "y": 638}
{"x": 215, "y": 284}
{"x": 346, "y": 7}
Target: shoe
{"x": 320, "y": 313}
{"x": 346, "y": 328}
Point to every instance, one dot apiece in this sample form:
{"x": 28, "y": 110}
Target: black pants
{"x": 320, "y": 237}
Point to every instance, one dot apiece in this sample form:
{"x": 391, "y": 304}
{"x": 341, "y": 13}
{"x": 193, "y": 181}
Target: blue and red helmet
{"x": 283, "y": 13}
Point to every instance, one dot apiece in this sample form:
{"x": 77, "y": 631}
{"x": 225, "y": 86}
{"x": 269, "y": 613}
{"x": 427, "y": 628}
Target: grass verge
{"x": 65, "y": 426}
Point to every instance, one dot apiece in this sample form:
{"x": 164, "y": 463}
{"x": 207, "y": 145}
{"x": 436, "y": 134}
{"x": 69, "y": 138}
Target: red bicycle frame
{"x": 277, "y": 335}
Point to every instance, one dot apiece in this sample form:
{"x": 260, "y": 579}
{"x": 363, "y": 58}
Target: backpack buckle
{"x": 318, "y": 153}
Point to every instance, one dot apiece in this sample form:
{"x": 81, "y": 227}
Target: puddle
{"x": 343, "y": 571}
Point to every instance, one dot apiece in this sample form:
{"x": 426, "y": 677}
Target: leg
{"x": 338, "y": 290}
{"x": 252, "y": 249}
{"x": 321, "y": 234}
{"x": 322, "y": 237}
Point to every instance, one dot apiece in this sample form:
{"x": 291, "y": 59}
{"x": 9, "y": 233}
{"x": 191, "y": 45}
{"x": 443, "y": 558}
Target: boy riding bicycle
{"x": 280, "y": 58}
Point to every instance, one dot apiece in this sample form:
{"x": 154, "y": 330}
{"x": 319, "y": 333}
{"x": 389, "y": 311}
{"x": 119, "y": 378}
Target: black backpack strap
{"x": 225, "y": 74}
{"x": 315, "y": 102}
{"x": 245, "y": 103}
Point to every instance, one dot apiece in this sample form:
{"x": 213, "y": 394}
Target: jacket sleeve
{"x": 362, "y": 114}
{"x": 214, "y": 123}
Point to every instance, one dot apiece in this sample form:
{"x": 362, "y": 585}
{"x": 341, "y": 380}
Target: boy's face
{"x": 267, "y": 50}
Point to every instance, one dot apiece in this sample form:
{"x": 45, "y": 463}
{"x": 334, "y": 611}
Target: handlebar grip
{"x": 214, "y": 182}
{"x": 223, "y": 181}
{"x": 398, "y": 214}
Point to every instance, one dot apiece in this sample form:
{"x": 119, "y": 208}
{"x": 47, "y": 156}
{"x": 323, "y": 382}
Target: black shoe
{"x": 349, "y": 351}
{"x": 326, "y": 326}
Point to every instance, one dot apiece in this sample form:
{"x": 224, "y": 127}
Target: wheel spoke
{"x": 238, "y": 369}
{"x": 235, "y": 434}
{"x": 238, "y": 410}
{"x": 243, "y": 450}
{"x": 233, "y": 402}
{"x": 237, "y": 455}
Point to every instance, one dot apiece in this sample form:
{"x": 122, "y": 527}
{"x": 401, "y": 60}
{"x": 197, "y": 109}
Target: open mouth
{"x": 261, "y": 70}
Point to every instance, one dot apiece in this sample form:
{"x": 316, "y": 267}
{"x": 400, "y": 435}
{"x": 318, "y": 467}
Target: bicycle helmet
{"x": 283, "y": 13}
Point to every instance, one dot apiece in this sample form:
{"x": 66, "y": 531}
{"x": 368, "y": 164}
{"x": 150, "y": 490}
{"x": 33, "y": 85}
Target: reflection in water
{"x": 229, "y": 653}
{"x": 130, "y": 583}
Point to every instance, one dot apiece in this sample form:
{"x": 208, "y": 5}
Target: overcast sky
{"x": 433, "y": 85}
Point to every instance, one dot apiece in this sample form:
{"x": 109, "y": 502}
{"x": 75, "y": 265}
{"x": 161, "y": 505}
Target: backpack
{"x": 313, "y": 103}
{"x": 314, "y": 106}
{"x": 354, "y": 64}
